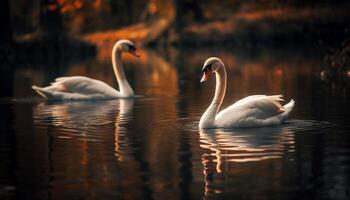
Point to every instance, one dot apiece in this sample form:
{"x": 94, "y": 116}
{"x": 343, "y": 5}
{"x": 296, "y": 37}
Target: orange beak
{"x": 135, "y": 53}
{"x": 205, "y": 76}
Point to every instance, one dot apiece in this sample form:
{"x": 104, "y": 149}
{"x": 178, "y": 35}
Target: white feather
{"x": 78, "y": 88}
{"x": 252, "y": 111}
{"x": 257, "y": 110}
{"x": 84, "y": 88}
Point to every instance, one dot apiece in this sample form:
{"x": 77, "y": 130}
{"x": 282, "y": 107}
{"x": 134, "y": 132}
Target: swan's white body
{"x": 84, "y": 88}
{"x": 252, "y": 111}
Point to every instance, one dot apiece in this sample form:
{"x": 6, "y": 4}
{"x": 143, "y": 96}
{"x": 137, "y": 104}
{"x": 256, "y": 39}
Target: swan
{"x": 85, "y": 88}
{"x": 252, "y": 111}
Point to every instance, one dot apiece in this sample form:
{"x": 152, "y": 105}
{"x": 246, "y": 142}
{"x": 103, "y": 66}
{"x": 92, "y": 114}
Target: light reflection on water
{"x": 150, "y": 147}
{"x": 246, "y": 145}
{"x": 86, "y": 120}
{"x": 242, "y": 145}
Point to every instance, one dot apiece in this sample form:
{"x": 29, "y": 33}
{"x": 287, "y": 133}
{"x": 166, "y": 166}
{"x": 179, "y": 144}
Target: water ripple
{"x": 251, "y": 144}
{"x": 290, "y": 125}
{"x": 83, "y": 120}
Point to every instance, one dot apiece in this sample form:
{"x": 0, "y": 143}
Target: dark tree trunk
{"x": 50, "y": 18}
{"x": 5, "y": 21}
{"x": 183, "y": 8}
{"x": 193, "y": 6}
{"x": 178, "y": 19}
{"x": 129, "y": 12}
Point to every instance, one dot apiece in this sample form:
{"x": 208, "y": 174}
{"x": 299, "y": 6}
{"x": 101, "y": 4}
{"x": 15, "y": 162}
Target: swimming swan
{"x": 85, "y": 88}
{"x": 252, "y": 111}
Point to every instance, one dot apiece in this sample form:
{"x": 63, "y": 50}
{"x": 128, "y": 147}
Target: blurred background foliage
{"x": 87, "y": 16}
{"x": 191, "y": 19}
{"x": 34, "y": 30}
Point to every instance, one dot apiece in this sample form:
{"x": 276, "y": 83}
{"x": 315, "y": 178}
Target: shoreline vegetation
{"x": 275, "y": 25}
{"x": 163, "y": 24}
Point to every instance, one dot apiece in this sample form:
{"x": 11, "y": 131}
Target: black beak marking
{"x": 206, "y": 68}
{"x": 132, "y": 48}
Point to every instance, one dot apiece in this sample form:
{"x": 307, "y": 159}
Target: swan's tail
{"x": 288, "y": 108}
{"x": 52, "y": 93}
{"x": 42, "y": 92}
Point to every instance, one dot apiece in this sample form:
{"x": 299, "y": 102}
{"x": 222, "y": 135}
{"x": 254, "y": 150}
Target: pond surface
{"x": 150, "y": 147}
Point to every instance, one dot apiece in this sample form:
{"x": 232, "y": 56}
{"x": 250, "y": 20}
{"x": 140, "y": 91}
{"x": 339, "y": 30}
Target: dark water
{"x": 150, "y": 147}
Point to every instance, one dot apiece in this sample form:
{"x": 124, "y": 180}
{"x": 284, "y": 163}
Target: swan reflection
{"x": 239, "y": 146}
{"x": 121, "y": 142}
{"x": 244, "y": 145}
{"x": 76, "y": 114}
{"x": 88, "y": 121}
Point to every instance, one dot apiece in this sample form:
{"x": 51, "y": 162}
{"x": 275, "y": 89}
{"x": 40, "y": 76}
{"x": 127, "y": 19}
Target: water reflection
{"x": 121, "y": 142}
{"x": 245, "y": 145}
{"x": 145, "y": 148}
{"x": 239, "y": 146}
{"x": 87, "y": 120}
{"x": 88, "y": 142}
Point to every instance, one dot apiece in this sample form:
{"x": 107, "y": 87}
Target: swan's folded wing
{"x": 82, "y": 85}
{"x": 256, "y": 106}
{"x": 266, "y": 107}
{"x": 247, "y": 99}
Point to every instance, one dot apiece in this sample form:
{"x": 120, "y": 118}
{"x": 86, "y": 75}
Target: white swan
{"x": 84, "y": 88}
{"x": 252, "y": 111}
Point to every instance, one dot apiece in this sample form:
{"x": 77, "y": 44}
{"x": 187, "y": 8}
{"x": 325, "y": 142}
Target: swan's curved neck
{"x": 208, "y": 118}
{"x": 124, "y": 86}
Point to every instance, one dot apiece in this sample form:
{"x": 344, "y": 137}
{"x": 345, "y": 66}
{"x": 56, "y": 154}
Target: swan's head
{"x": 210, "y": 66}
{"x": 127, "y": 46}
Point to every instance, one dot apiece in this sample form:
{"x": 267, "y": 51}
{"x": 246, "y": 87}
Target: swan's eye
{"x": 207, "y": 68}
{"x": 132, "y": 48}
